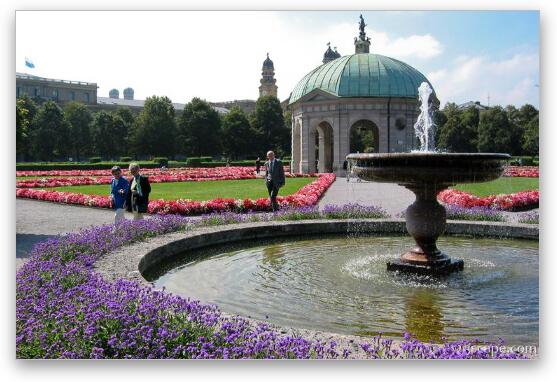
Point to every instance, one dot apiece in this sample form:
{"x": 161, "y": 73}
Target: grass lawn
{"x": 237, "y": 189}
{"x": 506, "y": 185}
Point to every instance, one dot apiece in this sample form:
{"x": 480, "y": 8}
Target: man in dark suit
{"x": 138, "y": 197}
{"x": 274, "y": 178}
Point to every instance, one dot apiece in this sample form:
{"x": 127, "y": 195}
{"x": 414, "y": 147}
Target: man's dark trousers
{"x": 273, "y": 192}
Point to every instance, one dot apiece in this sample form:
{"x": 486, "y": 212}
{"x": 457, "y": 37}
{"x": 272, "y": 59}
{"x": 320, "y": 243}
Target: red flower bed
{"x": 306, "y": 196}
{"x": 507, "y": 202}
{"x": 522, "y": 171}
{"x": 157, "y": 176}
{"x": 198, "y": 172}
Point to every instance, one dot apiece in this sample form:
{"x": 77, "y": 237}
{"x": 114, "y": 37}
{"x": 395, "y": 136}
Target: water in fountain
{"x": 424, "y": 126}
{"x": 340, "y": 284}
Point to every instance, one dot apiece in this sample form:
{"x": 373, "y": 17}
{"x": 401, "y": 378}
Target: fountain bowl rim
{"x": 429, "y": 154}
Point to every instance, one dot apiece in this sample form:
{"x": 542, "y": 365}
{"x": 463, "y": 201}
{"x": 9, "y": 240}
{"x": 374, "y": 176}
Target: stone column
{"x": 338, "y": 158}
{"x": 296, "y": 146}
{"x": 306, "y": 147}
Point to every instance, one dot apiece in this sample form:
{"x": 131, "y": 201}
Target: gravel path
{"x": 392, "y": 197}
{"x": 37, "y": 221}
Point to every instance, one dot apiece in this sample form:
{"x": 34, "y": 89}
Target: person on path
{"x": 138, "y": 197}
{"x": 119, "y": 190}
{"x": 274, "y": 178}
{"x": 258, "y": 165}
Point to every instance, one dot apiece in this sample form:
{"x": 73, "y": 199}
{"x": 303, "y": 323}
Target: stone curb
{"x": 128, "y": 262}
{"x": 131, "y": 261}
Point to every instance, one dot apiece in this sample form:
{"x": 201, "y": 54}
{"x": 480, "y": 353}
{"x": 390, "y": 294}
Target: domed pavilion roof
{"x": 362, "y": 75}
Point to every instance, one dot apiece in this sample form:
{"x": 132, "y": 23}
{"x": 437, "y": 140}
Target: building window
{"x": 37, "y": 92}
{"x": 72, "y": 96}
{"x": 86, "y": 95}
{"x": 55, "y": 93}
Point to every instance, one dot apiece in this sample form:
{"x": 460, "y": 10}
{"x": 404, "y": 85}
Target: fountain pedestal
{"x": 426, "y": 174}
{"x": 426, "y": 220}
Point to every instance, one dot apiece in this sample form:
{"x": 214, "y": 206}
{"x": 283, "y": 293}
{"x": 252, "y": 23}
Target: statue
{"x": 362, "y": 28}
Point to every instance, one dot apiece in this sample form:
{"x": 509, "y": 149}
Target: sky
{"x": 486, "y": 56}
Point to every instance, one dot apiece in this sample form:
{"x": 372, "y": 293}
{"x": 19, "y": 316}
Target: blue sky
{"x": 467, "y": 55}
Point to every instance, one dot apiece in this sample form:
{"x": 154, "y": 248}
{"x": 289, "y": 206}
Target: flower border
{"x": 306, "y": 196}
{"x": 506, "y": 202}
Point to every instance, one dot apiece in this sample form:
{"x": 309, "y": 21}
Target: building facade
{"x": 346, "y": 96}
{"x": 60, "y": 91}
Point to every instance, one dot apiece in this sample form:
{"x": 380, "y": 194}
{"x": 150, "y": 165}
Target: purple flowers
{"x": 474, "y": 213}
{"x": 532, "y": 217}
{"x": 353, "y": 211}
{"x": 65, "y": 310}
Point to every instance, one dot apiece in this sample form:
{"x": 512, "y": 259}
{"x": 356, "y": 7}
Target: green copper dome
{"x": 362, "y": 75}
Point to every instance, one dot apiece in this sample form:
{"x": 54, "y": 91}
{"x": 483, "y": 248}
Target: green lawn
{"x": 506, "y": 185}
{"x": 237, "y": 189}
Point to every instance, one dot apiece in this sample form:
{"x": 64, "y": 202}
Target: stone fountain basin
{"x": 428, "y": 167}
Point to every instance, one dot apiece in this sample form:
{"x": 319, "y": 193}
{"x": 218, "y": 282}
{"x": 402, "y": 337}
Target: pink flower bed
{"x": 306, "y": 196}
{"x": 156, "y": 176}
{"x": 198, "y": 172}
{"x": 522, "y": 171}
{"x": 507, "y": 202}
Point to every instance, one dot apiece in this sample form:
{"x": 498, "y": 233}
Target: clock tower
{"x": 268, "y": 82}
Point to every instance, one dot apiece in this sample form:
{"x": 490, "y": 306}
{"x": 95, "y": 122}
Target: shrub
{"x": 193, "y": 162}
{"x": 126, "y": 159}
{"x": 161, "y": 161}
{"x": 206, "y": 159}
{"x": 95, "y": 159}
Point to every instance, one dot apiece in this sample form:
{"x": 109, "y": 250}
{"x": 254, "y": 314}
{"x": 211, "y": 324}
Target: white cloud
{"x": 213, "y": 55}
{"x": 507, "y": 81}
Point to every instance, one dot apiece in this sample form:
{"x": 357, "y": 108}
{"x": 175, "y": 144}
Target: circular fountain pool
{"x": 340, "y": 284}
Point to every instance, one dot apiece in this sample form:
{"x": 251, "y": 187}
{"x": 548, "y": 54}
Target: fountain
{"x": 426, "y": 173}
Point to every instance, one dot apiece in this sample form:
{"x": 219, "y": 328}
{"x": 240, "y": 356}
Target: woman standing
{"x": 118, "y": 193}
{"x": 138, "y": 196}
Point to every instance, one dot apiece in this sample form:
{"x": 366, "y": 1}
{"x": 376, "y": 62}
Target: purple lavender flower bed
{"x": 532, "y": 217}
{"x": 474, "y": 214}
{"x": 65, "y": 310}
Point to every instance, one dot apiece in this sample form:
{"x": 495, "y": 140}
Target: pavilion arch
{"x": 363, "y": 136}
{"x": 324, "y": 147}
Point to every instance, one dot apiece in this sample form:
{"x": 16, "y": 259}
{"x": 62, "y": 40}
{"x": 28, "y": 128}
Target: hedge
{"x": 30, "y": 166}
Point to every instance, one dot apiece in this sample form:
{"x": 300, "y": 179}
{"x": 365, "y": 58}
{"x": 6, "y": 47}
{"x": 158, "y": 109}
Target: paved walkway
{"x": 38, "y": 221}
{"x": 392, "y": 197}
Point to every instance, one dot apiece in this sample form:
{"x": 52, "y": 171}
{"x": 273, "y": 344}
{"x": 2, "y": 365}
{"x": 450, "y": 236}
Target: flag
{"x": 29, "y": 63}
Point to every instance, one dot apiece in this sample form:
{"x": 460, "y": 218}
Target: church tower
{"x": 268, "y": 81}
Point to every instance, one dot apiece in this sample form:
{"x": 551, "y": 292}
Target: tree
{"x": 199, "y": 129}
{"x": 125, "y": 126}
{"x": 516, "y": 129}
{"x": 494, "y": 131}
{"x": 155, "y": 128}
{"x": 459, "y": 131}
{"x": 237, "y": 135}
{"x": 104, "y": 136}
{"x": 268, "y": 122}
{"x": 530, "y": 143}
{"x": 24, "y": 133}
{"x": 79, "y": 120}
{"x": 439, "y": 119}
{"x": 22, "y": 123}
{"x": 51, "y": 135}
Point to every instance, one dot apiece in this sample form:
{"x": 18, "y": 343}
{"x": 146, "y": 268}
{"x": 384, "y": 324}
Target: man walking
{"x": 274, "y": 178}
